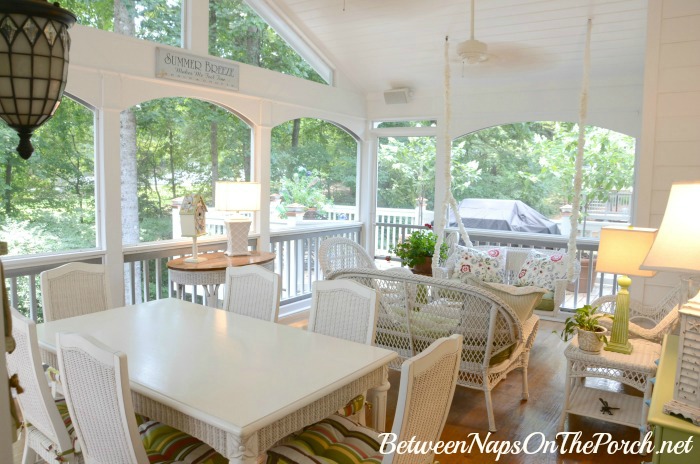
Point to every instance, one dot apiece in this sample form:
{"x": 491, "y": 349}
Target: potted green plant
{"x": 303, "y": 192}
{"x": 584, "y": 322}
{"x": 416, "y": 251}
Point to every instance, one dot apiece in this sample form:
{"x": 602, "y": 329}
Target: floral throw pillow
{"x": 485, "y": 265}
{"x": 541, "y": 270}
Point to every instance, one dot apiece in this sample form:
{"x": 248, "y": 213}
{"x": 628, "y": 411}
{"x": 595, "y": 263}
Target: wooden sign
{"x": 196, "y": 69}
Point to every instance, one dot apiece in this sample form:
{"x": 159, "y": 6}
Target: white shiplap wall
{"x": 670, "y": 148}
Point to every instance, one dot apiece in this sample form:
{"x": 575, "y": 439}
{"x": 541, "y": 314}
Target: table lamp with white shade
{"x": 621, "y": 251}
{"x": 237, "y": 196}
{"x": 677, "y": 248}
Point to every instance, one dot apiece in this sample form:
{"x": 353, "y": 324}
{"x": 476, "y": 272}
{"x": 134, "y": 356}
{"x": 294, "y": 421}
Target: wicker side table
{"x": 633, "y": 369}
{"x": 210, "y": 274}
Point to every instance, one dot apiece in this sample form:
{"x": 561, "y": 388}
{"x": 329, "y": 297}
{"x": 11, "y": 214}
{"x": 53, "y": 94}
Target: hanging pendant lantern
{"x": 34, "y": 44}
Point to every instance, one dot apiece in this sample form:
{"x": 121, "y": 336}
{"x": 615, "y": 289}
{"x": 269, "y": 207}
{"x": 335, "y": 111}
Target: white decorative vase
{"x": 591, "y": 342}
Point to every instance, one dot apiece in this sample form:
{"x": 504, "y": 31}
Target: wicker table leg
{"x": 568, "y": 384}
{"x": 242, "y": 450}
{"x": 377, "y": 398}
{"x": 211, "y": 295}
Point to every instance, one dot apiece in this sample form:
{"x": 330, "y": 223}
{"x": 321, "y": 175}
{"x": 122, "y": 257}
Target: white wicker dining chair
{"x": 343, "y": 309}
{"x": 96, "y": 385}
{"x": 425, "y": 395}
{"x": 647, "y": 322}
{"x": 348, "y": 312}
{"x": 253, "y": 291}
{"x": 74, "y": 289}
{"x": 337, "y": 253}
{"x": 47, "y": 436}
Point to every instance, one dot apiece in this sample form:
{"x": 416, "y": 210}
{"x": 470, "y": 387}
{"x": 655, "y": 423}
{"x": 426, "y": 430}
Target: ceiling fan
{"x": 472, "y": 51}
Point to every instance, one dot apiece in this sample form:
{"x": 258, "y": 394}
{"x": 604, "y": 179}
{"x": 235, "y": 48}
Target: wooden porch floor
{"x": 516, "y": 419}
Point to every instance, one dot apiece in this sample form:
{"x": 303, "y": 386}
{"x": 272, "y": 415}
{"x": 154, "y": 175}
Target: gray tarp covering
{"x": 478, "y": 213}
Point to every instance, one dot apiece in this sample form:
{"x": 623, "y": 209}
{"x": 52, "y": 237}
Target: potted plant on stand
{"x": 302, "y": 195}
{"x": 584, "y": 322}
{"x": 416, "y": 251}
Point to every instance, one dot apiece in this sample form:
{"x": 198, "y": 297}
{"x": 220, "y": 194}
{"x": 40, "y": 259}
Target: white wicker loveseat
{"x": 515, "y": 259}
{"x": 415, "y": 310}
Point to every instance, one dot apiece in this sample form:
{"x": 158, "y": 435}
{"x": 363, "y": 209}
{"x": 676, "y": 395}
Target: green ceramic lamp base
{"x": 618, "y": 342}
{"x": 619, "y": 347}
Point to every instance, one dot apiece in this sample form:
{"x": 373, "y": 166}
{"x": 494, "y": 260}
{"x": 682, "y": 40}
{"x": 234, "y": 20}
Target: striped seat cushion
{"x": 353, "y": 407}
{"x": 63, "y": 410}
{"x": 334, "y": 439}
{"x": 166, "y": 445}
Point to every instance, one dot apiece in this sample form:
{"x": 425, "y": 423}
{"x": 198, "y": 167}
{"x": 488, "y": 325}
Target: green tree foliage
{"x": 322, "y": 148}
{"x": 174, "y": 156}
{"x": 608, "y": 162}
{"x": 236, "y": 32}
{"x": 48, "y": 201}
{"x": 535, "y": 162}
{"x": 406, "y": 171}
{"x": 157, "y": 20}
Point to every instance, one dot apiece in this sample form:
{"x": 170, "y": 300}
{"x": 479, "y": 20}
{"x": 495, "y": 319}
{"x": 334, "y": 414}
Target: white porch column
{"x": 367, "y": 190}
{"x": 262, "y": 146}
{"x": 109, "y": 217}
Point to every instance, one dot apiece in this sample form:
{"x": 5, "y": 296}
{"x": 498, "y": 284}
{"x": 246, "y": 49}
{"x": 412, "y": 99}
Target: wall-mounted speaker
{"x": 397, "y": 96}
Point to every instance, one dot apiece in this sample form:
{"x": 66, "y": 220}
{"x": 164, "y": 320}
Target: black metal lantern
{"x": 34, "y": 44}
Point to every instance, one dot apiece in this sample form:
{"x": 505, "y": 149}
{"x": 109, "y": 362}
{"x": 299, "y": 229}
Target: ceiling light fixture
{"x": 472, "y": 51}
{"x": 34, "y": 45}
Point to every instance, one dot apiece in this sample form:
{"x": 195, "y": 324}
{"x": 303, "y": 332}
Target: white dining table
{"x": 237, "y": 383}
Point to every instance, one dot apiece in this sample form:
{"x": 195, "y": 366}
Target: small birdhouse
{"x": 192, "y": 216}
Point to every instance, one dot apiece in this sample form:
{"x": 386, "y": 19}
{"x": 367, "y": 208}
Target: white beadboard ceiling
{"x": 380, "y": 44}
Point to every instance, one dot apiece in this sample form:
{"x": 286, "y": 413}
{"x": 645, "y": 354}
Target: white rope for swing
{"x": 578, "y": 176}
{"x": 441, "y": 209}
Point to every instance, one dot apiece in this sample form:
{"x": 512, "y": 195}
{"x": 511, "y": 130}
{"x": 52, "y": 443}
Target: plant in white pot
{"x": 584, "y": 322}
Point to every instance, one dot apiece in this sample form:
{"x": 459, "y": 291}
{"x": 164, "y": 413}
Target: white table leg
{"x": 242, "y": 450}
{"x": 377, "y": 398}
{"x": 180, "y": 291}
{"x": 211, "y": 295}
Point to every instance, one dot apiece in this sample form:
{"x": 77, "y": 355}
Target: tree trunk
{"x": 213, "y": 30}
{"x": 157, "y": 189}
{"x": 214, "y": 148}
{"x": 8, "y": 189}
{"x": 130, "y": 204}
{"x": 79, "y": 192}
{"x": 296, "y": 126}
{"x": 253, "y": 46}
{"x": 124, "y": 24}
{"x": 173, "y": 186}
{"x": 79, "y": 177}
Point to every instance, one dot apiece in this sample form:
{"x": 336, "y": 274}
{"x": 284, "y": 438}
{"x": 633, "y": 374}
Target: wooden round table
{"x": 210, "y": 274}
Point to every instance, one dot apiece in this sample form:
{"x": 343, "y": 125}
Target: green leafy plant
{"x": 585, "y": 318}
{"x": 418, "y": 246}
{"x": 304, "y": 188}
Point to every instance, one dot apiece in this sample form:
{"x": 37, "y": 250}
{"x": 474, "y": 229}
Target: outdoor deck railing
{"x": 146, "y": 274}
{"x": 586, "y": 288}
{"x": 296, "y": 248}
